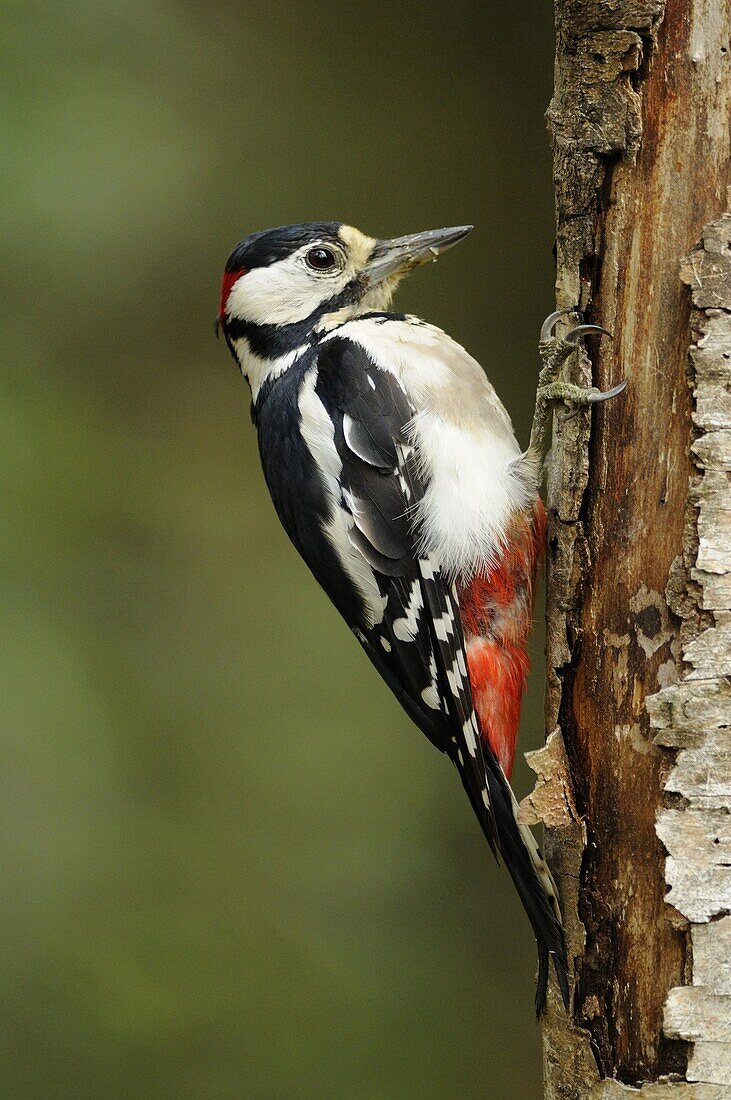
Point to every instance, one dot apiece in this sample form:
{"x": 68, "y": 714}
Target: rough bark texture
{"x": 639, "y": 631}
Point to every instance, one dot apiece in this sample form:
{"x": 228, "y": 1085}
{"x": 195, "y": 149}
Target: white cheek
{"x": 281, "y": 294}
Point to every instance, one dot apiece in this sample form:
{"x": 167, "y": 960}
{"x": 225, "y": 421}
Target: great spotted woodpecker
{"x": 394, "y": 470}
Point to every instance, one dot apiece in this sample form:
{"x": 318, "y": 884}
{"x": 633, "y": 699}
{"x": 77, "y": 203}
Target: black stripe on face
{"x": 268, "y": 341}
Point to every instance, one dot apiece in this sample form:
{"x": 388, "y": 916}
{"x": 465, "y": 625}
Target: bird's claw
{"x": 580, "y": 331}
{"x": 554, "y": 351}
{"x": 579, "y": 397}
{"x": 550, "y": 322}
{"x": 547, "y": 334}
{"x": 604, "y": 395}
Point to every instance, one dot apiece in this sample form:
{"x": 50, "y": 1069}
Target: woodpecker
{"x": 394, "y": 470}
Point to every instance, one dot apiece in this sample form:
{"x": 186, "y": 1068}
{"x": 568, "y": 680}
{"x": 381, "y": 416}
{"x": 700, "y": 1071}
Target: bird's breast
{"x": 463, "y": 438}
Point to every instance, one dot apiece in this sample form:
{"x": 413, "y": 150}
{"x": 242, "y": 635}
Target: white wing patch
{"x": 430, "y": 696}
{"x": 319, "y": 435}
{"x": 470, "y": 735}
{"x": 443, "y": 626}
{"x": 405, "y": 628}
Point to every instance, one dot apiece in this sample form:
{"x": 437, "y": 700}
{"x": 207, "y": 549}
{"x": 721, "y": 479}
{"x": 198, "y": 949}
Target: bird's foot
{"x": 576, "y": 397}
{"x": 554, "y": 351}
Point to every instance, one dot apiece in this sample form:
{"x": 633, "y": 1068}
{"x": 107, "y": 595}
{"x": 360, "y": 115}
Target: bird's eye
{"x": 320, "y": 259}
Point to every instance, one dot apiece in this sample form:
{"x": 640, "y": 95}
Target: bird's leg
{"x": 554, "y": 351}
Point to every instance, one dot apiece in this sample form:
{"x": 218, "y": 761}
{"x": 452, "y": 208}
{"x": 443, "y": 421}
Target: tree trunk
{"x": 634, "y": 783}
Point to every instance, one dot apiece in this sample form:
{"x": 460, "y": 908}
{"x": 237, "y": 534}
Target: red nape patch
{"x": 229, "y": 278}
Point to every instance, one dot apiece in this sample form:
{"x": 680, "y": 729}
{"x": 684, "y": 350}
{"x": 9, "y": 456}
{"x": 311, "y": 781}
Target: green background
{"x": 231, "y": 868}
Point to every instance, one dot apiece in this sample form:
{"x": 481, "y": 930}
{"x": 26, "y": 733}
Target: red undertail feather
{"x": 497, "y": 610}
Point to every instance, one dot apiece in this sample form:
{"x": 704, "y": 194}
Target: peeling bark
{"x": 694, "y": 715}
{"x": 633, "y": 784}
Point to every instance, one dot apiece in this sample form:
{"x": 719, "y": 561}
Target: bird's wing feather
{"x": 419, "y": 643}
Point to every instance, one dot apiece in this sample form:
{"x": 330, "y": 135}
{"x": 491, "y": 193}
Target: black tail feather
{"x": 533, "y": 882}
{"x": 542, "y": 981}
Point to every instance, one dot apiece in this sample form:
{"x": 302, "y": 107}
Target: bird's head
{"x": 318, "y": 274}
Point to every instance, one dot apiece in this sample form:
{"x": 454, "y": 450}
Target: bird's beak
{"x": 400, "y": 254}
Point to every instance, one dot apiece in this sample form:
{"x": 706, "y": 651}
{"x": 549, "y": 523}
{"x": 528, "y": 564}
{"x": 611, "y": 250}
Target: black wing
{"x": 418, "y": 646}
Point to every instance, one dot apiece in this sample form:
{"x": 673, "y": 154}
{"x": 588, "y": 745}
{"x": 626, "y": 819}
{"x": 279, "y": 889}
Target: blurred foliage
{"x": 232, "y": 868}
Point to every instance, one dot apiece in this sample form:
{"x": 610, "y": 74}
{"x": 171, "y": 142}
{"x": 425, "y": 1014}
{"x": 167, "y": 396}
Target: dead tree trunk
{"x": 635, "y": 781}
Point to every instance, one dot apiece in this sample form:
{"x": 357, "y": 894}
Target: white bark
{"x": 694, "y": 716}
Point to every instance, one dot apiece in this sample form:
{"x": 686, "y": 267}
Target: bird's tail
{"x": 533, "y": 881}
